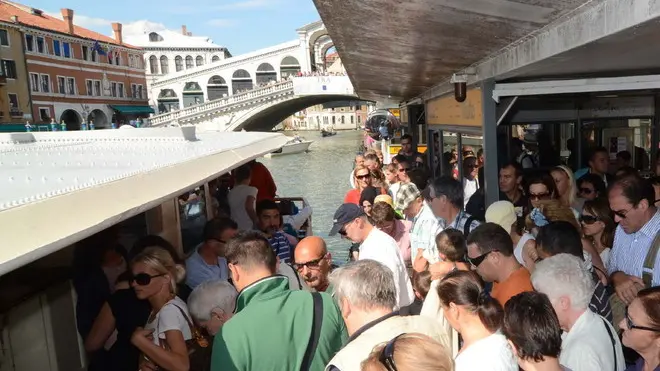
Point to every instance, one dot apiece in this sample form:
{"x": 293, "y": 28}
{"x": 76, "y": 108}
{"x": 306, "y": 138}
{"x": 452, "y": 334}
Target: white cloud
{"x": 245, "y": 4}
{"x": 221, "y": 22}
{"x": 141, "y": 27}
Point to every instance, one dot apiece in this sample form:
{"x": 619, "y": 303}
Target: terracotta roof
{"x": 45, "y": 22}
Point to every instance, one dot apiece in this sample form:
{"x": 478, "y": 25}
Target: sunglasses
{"x": 365, "y": 176}
{"x": 588, "y": 219}
{"x": 312, "y": 264}
{"x": 387, "y": 355}
{"x": 404, "y": 169}
{"x": 622, "y": 214}
{"x": 143, "y": 279}
{"x": 586, "y": 191}
{"x": 475, "y": 262}
{"x": 539, "y": 196}
{"x": 632, "y": 326}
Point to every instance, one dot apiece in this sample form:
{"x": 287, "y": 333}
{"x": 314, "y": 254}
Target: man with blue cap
{"x": 351, "y": 222}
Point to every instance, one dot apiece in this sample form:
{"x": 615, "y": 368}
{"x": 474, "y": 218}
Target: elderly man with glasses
{"x": 367, "y": 297}
{"x": 211, "y": 304}
{"x": 590, "y": 342}
{"x": 313, "y": 263}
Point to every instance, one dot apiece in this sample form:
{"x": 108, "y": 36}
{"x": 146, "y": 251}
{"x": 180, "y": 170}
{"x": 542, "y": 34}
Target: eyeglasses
{"x": 479, "y": 259}
{"x": 218, "y": 240}
{"x": 363, "y": 176}
{"x": 539, "y": 196}
{"x": 633, "y": 326}
{"x": 387, "y": 355}
{"x": 586, "y": 191}
{"x": 622, "y": 214}
{"x": 588, "y": 219}
{"x": 312, "y": 264}
{"x": 143, "y": 279}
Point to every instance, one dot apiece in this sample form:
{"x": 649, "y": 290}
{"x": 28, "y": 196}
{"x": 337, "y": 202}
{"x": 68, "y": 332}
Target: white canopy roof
{"x": 60, "y": 187}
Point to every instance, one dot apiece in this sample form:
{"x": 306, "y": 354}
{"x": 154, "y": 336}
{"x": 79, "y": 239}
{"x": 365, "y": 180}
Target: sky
{"x": 240, "y": 25}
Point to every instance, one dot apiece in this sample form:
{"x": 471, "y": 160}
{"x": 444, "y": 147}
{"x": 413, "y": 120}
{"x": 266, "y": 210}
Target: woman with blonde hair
{"x": 409, "y": 352}
{"x": 566, "y": 186}
{"x": 362, "y": 177}
{"x": 162, "y": 341}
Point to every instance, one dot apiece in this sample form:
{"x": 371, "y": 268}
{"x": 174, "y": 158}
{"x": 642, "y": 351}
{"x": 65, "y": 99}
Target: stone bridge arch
{"x": 265, "y": 117}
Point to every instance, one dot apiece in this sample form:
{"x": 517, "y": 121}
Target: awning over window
{"x": 130, "y": 110}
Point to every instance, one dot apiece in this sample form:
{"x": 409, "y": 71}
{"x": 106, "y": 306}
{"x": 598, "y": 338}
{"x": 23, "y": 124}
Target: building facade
{"x": 168, "y": 52}
{"x": 338, "y": 116}
{"x": 14, "y": 92}
{"x": 76, "y": 75}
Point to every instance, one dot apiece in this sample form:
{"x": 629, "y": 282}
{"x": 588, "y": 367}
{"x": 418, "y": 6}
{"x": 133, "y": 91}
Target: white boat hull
{"x": 291, "y": 148}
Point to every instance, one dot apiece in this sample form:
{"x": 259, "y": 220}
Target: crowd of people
{"x": 560, "y": 274}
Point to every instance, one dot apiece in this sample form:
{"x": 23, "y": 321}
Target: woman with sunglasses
{"x": 591, "y": 187}
{"x": 477, "y": 316}
{"x": 162, "y": 341}
{"x": 641, "y": 329}
{"x": 541, "y": 187}
{"x": 122, "y": 314}
{"x": 409, "y": 352}
{"x": 553, "y": 211}
{"x": 362, "y": 177}
{"x": 598, "y": 227}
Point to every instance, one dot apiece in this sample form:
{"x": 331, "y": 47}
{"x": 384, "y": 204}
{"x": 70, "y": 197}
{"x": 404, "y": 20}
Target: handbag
{"x": 199, "y": 347}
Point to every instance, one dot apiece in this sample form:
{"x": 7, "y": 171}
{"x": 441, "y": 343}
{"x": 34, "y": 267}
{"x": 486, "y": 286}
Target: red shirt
{"x": 263, "y": 181}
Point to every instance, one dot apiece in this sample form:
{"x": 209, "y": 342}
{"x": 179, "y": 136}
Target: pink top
{"x": 402, "y": 237}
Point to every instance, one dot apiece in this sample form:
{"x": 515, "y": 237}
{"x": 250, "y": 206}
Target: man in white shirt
{"x": 351, "y": 222}
{"x": 589, "y": 342}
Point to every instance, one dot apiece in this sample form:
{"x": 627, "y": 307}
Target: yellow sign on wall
{"x": 447, "y": 111}
{"x": 396, "y": 112}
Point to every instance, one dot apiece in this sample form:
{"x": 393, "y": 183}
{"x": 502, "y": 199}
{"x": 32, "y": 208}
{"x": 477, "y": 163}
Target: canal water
{"x": 322, "y": 177}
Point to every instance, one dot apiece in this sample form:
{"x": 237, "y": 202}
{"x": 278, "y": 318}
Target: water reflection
{"x": 322, "y": 177}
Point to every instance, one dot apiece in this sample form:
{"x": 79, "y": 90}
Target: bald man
{"x": 313, "y": 262}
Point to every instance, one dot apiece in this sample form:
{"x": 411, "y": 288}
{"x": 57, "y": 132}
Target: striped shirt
{"x": 629, "y": 250}
{"x": 422, "y": 234}
{"x": 281, "y": 246}
{"x": 461, "y": 219}
{"x": 600, "y": 303}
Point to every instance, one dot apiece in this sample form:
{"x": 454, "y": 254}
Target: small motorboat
{"x": 297, "y": 145}
{"x": 326, "y": 133}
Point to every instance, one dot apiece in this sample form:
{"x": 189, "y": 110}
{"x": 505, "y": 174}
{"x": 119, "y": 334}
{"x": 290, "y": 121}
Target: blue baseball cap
{"x": 345, "y": 214}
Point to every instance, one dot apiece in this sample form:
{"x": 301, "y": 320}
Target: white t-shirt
{"x": 491, "y": 353}
{"x": 605, "y": 257}
{"x": 382, "y": 248}
{"x": 469, "y": 188}
{"x": 170, "y": 318}
{"x": 236, "y": 199}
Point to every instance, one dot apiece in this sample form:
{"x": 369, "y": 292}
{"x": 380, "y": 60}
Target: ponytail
{"x": 490, "y": 311}
{"x": 465, "y": 288}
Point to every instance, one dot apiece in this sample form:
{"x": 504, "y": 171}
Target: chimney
{"x": 67, "y": 15}
{"x": 116, "y": 28}
{"x": 14, "y": 18}
{"x": 184, "y": 30}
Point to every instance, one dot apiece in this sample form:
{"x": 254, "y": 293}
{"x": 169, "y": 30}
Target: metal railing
{"x": 219, "y": 103}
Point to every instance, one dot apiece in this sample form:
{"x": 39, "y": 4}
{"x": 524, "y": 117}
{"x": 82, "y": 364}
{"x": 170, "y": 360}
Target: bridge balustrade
{"x": 218, "y": 103}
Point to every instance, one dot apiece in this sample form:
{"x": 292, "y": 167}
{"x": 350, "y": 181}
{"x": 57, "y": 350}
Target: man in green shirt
{"x": 273, "y": 326}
